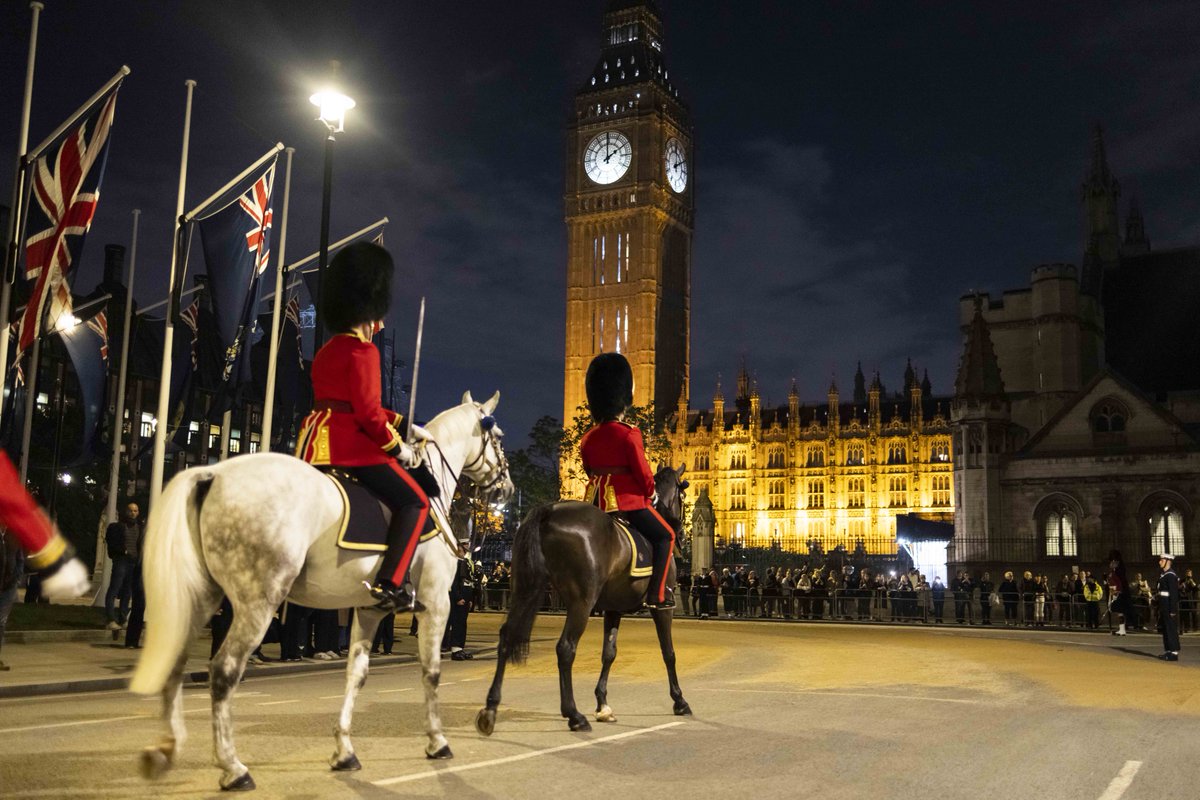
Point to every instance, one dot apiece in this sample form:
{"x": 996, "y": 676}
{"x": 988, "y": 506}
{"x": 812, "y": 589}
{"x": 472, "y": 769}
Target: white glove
{"x": 407, "y": 457}
{"x": 68, "y": 582}
{"x": 419, "y": 434}
{"x": 654, "y": 499}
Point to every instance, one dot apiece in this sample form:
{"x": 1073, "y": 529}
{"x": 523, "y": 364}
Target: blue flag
{"x": 236, "y": 241}
{"x": 87, "y": 344}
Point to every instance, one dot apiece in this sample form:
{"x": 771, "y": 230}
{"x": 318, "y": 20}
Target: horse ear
{"x": 682, "y": 469}
{"x": 467, "y": 397}
{"x": 490, "y": 405}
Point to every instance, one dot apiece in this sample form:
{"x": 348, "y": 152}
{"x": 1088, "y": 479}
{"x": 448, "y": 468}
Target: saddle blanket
{"x": 641, "y": 563}
{"x": 365, "y": 518}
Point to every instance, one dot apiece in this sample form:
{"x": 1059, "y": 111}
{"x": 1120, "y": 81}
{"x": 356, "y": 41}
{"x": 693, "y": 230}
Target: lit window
{"x": 1166, "y": 531}
{"x": 1060, "y": 531}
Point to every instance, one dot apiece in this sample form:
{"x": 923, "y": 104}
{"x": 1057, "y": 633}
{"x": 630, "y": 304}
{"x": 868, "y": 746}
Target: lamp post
{"x": 333, "y": 106}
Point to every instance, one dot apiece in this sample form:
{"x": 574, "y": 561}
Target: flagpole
{"x": 118, "y": 428}
{"x": 195, "y": 212}
{"x": 31, "y": 380}
{"x": 164, "y": 385}
{"x": 273, "y": 357}
{"x": 33, "y": 154}
{"x": 18, "y": 194}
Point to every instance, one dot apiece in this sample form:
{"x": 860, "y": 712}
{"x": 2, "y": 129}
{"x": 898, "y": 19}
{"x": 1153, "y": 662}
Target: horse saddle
{"x": 641, "y": 563}
{"x": 365, "y": 518}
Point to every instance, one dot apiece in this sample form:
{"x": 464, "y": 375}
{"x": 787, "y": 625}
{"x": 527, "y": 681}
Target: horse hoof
{"x": 485, "y": 721}
{"x": 243, "y": 783}
{"x": 441, "y": 755}
{"x": 605, "y": 714}
{"x": 683, "y": 710}
{"x": 580, "y": 724}
{"x": 348, "y": 764}
{"x": 153, "y": 763}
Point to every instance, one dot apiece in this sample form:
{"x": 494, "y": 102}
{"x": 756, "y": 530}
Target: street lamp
{"x": 333, "y": 106}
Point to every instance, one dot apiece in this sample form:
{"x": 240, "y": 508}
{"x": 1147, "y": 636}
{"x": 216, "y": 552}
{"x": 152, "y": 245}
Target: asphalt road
{"x": 781, "y": 711}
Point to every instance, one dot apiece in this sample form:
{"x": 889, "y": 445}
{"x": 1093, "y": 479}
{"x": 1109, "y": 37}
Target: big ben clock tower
{"x": 630, "y": 181}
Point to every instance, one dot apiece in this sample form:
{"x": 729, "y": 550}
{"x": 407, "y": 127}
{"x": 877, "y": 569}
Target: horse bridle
{"x": 499, "y": 470}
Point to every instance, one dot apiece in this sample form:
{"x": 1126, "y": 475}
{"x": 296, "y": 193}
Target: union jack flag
{"x": 190, "y": 317}
{"x": 65, "y": 190}
{"x": 292, "y": 314}
{"x": 236, "y": 240}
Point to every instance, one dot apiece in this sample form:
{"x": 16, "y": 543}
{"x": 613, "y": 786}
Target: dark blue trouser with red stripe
{"x": 662, "y": 538}
{"x": 410, "y": 508}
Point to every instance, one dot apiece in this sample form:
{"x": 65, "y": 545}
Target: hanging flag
{"x": 185, "y": 361}
{"x": 87, "y": 345}
{"x": 65, "y": 187}
{"x": 236, "y": 242}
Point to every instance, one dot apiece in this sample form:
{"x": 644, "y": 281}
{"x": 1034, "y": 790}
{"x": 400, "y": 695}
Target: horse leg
{"x": 362, "y": 633}
{"x": 157, "y": 759}
{"x": 577, "y": 619}
{"x": 429, "y": 643}
{"x": 485, "y": 720}
{"x": 662, "y": 624}
{"x": 250, "y": 622}
{"x": 612, "y": 621}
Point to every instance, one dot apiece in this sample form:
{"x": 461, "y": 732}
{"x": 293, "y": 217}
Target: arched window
{"x": 1060, "y": 529}
{"x": 897, "y": 454}
{"x": 854, "y": 455}
{"x": 1166, "y": 531}
{"x": 1109, "y": 420}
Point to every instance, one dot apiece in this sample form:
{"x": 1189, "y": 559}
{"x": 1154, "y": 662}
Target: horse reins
{"x": 493, "y": 478}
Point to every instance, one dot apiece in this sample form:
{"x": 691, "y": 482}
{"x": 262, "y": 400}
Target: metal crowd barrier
{"x": 893, "y": 606}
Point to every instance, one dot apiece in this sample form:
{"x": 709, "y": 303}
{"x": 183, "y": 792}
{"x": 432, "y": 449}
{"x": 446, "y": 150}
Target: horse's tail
{"x": 174, "y": 575}
{"x": 529, "y": 579}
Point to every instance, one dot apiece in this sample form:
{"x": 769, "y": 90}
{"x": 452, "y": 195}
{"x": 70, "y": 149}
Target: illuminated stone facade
{"x": 629, "y": 211}
{"x": 837, "y": 473}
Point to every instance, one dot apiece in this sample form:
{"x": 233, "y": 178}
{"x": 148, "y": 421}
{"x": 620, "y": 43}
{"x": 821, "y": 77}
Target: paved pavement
{"x": 828, "y": 711}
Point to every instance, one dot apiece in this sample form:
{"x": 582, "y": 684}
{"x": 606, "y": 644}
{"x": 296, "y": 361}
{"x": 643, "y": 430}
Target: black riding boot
{"x": 389, "y": 587}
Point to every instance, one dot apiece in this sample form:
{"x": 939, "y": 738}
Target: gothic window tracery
{"x": 1166, "y": 531}
{"x": 1060, "y": 527}
{"x": 854, "y": 455}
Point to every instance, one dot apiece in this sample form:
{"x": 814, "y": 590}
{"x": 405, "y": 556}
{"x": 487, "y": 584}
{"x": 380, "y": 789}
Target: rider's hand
{"x": 67, "y": 582}
{"x": 419, "y": 434}
{"x": 407, "y": 457}
{"x": 654, "y": 499}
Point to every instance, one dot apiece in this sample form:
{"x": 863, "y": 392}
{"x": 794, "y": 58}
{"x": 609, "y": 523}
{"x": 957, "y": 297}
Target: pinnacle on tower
{"x": 860, "y": 385}
{"x": 743, "y": 382}
{"x": 910, "y": 377}
{"x": 926, "y": 386}
{"x": 1102, "y": 242}
{"x": 979, "y": 371}
{"x": 1135, "y": 243}
{"x": 794, "y": 391}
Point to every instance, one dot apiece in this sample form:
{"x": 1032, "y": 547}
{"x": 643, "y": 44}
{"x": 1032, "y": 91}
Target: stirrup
{"x": 394, "y": 600}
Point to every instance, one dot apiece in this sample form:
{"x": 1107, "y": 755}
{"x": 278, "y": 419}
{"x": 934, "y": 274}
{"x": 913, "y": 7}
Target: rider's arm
{"x": 364, "y": 389}
{"x": 637, "y": 462}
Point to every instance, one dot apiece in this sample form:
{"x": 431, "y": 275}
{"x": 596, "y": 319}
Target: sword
{"x": 412, "y": 389}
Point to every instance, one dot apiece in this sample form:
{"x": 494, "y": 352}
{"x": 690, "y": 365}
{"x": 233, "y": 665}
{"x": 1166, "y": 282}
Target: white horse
{"x": 262, "y": 528}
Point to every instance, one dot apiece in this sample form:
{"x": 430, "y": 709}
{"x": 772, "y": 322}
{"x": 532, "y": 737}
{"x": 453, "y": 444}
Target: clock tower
{"x": 630, "y": 183}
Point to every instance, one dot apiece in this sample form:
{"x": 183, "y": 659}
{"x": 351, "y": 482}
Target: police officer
{"x": 1168, "y": 607}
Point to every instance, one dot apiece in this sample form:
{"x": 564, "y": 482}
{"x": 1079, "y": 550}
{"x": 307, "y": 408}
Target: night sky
{"x": 858, "y": 166}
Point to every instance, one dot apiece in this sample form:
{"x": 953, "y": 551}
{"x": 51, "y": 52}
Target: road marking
{"x": 332, "y": 697}
{"x": 393, "y": 691}
{"x": 1119, "y": 784}
{"x": 845, "y": 694}
{"x": 74, "y": 724}
{"x": 522, "y": 756}
{"x": 278, "y": 702}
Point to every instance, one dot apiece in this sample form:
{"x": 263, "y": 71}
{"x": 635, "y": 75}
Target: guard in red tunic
{"x": 619, "y": 479}
{"x": 348, "y": 427}
{"x": 63, "y": 575}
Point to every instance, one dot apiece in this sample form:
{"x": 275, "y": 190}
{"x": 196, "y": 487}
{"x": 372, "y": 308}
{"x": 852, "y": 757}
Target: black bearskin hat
{"x": 609, "y": 386}
{"x": 357, "y": 287}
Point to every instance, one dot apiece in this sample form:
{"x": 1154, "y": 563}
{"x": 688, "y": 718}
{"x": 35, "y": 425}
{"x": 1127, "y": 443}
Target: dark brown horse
{"x": 576, "y": 548}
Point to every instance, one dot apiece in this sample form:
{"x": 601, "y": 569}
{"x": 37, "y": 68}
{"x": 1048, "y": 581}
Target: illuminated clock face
{"x": 677, "y": 166}
{"x": 607, "y": 157}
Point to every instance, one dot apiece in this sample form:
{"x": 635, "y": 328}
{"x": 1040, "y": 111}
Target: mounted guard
{"x": 619, "y": 479}
{"x": 349, "y": 428}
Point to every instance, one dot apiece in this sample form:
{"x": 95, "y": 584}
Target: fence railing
{"x": 892, "y": 606}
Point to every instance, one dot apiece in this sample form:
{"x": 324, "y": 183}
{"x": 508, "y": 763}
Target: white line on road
{"x": 393, "y": 691}
{"x": 73, "y": 724}
{"x": 522, "y": 756}
{"x": 918, "y": 698}
{"x": 1120, "y": 783}
{"x": 278, "y": 702}
{"x": 332, "y": 697}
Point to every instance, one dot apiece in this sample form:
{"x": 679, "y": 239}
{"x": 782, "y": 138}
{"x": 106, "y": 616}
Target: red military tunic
{"x": 614, "y": 458}
{"x": 348, "y": 426}
{"x": 20, "y": 514}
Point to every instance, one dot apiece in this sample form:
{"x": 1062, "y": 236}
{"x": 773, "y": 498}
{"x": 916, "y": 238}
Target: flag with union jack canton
{"x": 65, "y": 188}
{"x": 236, "y": 241}
{"x": 87, "y": 345}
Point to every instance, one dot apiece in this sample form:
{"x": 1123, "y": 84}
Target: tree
{"x": 534, "y": 469}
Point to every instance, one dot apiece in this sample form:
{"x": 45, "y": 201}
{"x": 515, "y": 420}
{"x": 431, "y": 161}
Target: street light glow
{"x": 66, "y": 322}
{"x": 333, "y": 106}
